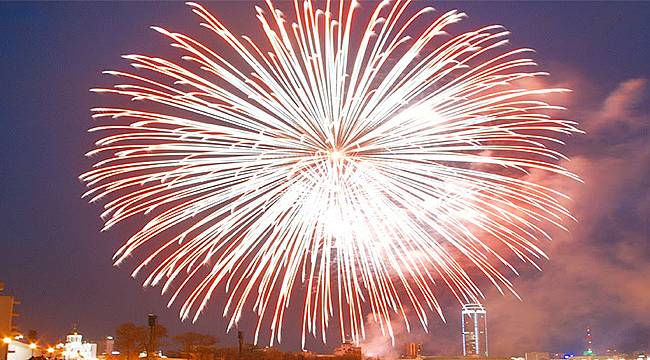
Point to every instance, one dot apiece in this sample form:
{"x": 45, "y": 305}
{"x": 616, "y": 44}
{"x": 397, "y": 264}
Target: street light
{"x": 5, "y": 342}
{"x": 32, "y": 346}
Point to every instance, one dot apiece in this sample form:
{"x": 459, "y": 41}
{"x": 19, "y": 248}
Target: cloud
{"x": 619, "y": 106}
{"x": 379, "y": 344}
{"x": 598, "y": 273}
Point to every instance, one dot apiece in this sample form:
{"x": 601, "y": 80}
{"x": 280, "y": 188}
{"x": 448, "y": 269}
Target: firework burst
{"x": 354, "y": 166}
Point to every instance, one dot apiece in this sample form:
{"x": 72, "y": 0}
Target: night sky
{"x": 54, "y": 259}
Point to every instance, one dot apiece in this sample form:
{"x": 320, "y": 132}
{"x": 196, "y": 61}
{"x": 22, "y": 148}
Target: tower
{"x": 589, "y": 350}
{"x": 152, "y": 321}
{"x": 474, "y": 325}
{"x": 240, "y": 338}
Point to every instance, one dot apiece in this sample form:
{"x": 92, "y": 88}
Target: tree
{"x": 195, "y": 345}
{"x": 32, "y": 335}
{"x": 130, "y": 340}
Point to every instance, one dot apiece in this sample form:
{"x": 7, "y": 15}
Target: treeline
{"x": 131, "y": 340}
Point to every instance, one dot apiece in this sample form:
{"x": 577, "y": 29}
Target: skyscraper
{"x": 588, "y": 343}
{"x": 413, "y": 350}
{"x": 474, "y": 324}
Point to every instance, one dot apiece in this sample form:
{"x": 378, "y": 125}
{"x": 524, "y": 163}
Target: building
{"x": 108, "y": 347}
{"x": 7, "y": 330}
{"x": 76, "y": 349}
{"x": 458, "y": 357}
{"x": 413, "y": 350}
{"x": 538, "y": 356}
{"x": 589, "y": 349}
{"x": 6, "y": 316}
{"x": 22, "y": 351}
{"x": 474, "y": 327}
{"x": 608, "y": 357}
{"x": 347, "y": 348}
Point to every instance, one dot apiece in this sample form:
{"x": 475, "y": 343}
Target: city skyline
{"x": 473, "y": 338}
{"x": 58, "y": 265}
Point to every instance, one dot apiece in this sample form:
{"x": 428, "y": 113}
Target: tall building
{"x": 7, "y": 329}
{"x": 108, "y": 346}
{"x": 413, "y": 350}
{"x": 474, "y": 323}
{"x": 589, "y": 350}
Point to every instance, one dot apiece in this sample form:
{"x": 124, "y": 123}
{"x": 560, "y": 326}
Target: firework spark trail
{"x": 365, "y": 170}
